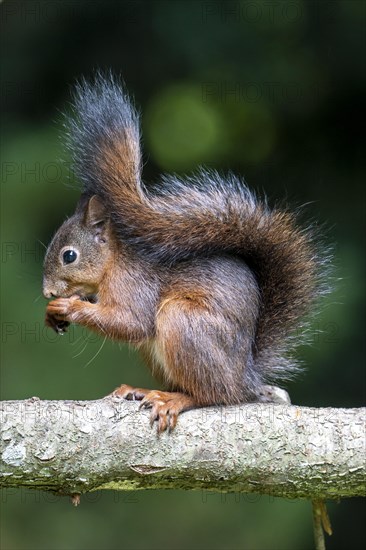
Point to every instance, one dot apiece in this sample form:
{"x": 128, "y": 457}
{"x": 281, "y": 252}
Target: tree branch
{"x": 79, "y": 446}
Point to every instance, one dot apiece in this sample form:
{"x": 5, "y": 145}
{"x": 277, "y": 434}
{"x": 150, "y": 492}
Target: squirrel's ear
{"x": 95, "y": 212}
{"x": 82, "y": 204}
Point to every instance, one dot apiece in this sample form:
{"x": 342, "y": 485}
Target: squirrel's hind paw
{"x": 165, "y": 407}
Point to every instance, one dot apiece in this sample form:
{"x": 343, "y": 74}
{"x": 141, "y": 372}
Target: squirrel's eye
{"x": 69, "y": 256}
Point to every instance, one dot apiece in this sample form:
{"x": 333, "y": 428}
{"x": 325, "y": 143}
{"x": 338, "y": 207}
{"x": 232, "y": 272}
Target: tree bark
{"x": 74, "y": 447}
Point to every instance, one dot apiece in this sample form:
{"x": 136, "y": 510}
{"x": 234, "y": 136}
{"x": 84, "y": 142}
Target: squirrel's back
{"x": 201, "y": 215}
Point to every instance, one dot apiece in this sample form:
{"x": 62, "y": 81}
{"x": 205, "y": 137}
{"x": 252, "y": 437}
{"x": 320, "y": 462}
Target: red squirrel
{"x": 208, "y": 282}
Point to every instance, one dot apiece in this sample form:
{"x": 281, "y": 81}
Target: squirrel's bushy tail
{"x": 203, "y": 214}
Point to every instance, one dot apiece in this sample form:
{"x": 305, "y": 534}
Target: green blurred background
{"x": 269, "y": 89}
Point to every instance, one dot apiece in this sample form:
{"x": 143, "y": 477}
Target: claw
{"x": 165, "y": 408}
{"x": 153, "y": 416}
{"x": 163, "y": 423}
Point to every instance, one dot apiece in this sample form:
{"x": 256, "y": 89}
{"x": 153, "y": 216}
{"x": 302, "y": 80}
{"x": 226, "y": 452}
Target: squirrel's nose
{"x": 48, "y": 288}
{"x": 49, "y": 293}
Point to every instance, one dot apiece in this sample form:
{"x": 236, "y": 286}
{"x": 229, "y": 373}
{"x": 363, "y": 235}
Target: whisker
{"x": 76, "y": 341}
{"x": 98, "y": 352}
{"x": 80, "y": 352}
{"x": 36, "y": 299}
{"x": 44, "y": 246}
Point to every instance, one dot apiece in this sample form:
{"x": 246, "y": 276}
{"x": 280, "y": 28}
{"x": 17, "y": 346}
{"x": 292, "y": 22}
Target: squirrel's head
{"x": 80, "y": 253}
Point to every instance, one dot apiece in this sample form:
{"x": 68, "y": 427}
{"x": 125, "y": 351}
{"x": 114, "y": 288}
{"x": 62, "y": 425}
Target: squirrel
{"x": 199, "y": 274}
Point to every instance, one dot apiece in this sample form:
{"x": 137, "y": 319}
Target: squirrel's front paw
{"x": 60, "y": 313}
